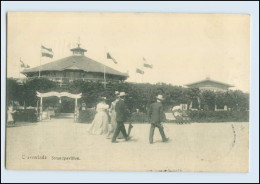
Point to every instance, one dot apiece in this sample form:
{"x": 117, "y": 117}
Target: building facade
{"x": 211, "y": 85}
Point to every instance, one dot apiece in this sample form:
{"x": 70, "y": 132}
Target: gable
{"x": 209, "y": 83}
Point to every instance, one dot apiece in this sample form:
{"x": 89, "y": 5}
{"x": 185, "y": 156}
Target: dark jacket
{"x": 121, "y": 111}
{"x": 155, "y": 113}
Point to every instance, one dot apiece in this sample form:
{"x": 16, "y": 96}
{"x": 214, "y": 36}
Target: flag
{"x": 139, "y": 71}
{"x": 110, "y": 57}
{"x": 23, "y": 65}
{"x": 146, "y": 64}
{"x": 26, "y": 66}
{"x": 47, "y": 52}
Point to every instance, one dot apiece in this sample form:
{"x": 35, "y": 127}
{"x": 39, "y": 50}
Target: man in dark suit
{"x": 121, "y": 116}
{"x": 156, "y": 116}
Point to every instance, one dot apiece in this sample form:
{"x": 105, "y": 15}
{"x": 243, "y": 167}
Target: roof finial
{"x": 208, "y": 77}
{"x": 78, "y": 51}
{"x": 79, "y": 42}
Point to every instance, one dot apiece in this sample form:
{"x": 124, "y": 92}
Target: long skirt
{"x": 99, "y": 125}
{"x": 10, "y": 116}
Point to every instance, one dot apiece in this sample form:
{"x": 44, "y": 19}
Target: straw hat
{"x": 160, "y": 97}
{"x": 122, "y": 94}
{"x": 102, "y": 98}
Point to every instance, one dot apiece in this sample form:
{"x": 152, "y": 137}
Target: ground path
{"x": 193, "y": 147}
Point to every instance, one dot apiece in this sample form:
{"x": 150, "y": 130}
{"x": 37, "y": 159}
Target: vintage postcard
{"x": 155, "y": 92}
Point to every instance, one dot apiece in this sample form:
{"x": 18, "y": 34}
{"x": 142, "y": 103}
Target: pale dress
{"x": 10, "y": 115}
{"x": 113, "y": 115}
{"x": 100, "y": 123}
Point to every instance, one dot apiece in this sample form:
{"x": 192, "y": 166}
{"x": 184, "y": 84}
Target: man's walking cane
{"x": 130, "y": 126}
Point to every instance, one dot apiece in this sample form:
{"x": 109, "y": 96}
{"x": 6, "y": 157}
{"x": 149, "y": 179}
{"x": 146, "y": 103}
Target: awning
{"x": 57, "y": 94}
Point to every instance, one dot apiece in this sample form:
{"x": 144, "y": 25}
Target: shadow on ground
{"x": 20, "y": 124}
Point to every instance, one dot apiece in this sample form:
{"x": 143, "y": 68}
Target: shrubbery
{"x": 200, "y": 116}
{"x": 140, "y": 96}
{"x": 219, "y": 116}
{"x": 25, "y": 115}
{"x": 139, "y": 117}
{"x": 87, "y": 116}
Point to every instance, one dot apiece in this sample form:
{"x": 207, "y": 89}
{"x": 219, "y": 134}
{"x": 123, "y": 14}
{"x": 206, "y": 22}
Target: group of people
{"x": 118, "y": 113}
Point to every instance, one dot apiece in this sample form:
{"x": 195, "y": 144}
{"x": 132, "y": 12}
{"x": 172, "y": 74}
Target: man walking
{"x": 156, "y": 115}
{"x": 121, "y": 115}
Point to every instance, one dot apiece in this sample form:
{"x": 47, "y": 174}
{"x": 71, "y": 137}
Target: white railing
{"x": 65, "y": 80}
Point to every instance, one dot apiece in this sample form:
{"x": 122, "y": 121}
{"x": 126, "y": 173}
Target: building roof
{"x": 207, "y": 80}
{"x": 75, "y": 62}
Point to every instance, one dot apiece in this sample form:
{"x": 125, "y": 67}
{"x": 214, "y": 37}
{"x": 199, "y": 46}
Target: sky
{"x": 183, "y": 48}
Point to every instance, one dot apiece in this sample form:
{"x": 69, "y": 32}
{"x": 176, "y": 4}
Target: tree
{"x": 237, "y": 100}
{"x": 139, "y": 96}
{"x": 37, "y": 84}
{"x": 13, "y": 91}
{"x": 191, "y": 96}
{"x": 221, "y": 99}
{"x": 208, "y": 100}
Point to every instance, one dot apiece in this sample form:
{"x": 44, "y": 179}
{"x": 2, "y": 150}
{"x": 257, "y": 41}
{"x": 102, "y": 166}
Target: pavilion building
{"x": 211, "y": 85}
{"x": 76, "y": 67}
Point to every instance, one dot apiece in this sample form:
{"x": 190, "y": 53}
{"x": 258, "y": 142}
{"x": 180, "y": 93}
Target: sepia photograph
{"x": 107, "y": 91}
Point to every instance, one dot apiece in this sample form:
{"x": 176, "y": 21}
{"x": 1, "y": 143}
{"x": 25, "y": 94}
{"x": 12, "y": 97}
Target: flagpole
{"x": 136, "y": 81}
{"x": 20, "y": 68}
{"x": 104, "y": 68}
{"x": 40, "y": 61}
{"x": 143, "y": 73}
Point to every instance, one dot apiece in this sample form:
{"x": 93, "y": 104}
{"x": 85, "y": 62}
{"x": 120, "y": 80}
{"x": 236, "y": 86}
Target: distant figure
{"x": 10, "y": 113}
{"x": 50, "y": 112}
{"x": 180, "y": 115}
{"x": 156, "y": 115}
{"x": 121, "y": 116}
{"x": 113, "y": 121}
{"x": 76, "y": 113}
{"x": 176, "y": 110}
{"x": 100, "y": 123}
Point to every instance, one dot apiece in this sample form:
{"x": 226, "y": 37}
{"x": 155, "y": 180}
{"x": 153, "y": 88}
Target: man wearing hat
{"x": 156, "y": 116}
{"x": 113, "y": 121}
{"x": 121, "y": 115}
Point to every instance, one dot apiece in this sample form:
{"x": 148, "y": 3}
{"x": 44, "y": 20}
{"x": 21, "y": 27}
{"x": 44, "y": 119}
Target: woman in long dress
{"x": 10, "y": 112}
{"x": 100, "y": 123}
